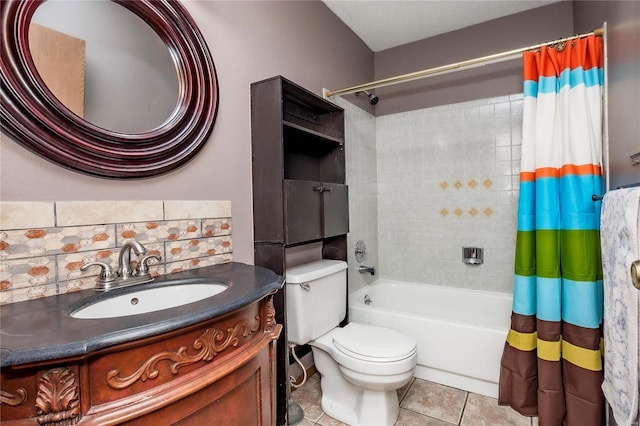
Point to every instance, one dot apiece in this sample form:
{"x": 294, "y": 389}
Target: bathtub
{"x": 460, "y": 333}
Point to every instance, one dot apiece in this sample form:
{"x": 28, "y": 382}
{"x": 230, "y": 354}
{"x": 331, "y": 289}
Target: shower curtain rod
{"x": 470, "y": 63}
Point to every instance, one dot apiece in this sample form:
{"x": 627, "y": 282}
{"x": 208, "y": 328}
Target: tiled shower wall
{"x": 44, "y": 244}
{"x": 360, "y": 154}
{"x": 447, "y": 177}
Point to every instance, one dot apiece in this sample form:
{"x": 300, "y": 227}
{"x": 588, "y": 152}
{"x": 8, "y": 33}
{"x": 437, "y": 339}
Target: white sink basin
{"x": 148, "y": 300}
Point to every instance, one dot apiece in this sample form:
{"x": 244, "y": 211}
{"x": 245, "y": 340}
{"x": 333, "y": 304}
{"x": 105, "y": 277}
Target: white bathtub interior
{"x": 460, "y": 332}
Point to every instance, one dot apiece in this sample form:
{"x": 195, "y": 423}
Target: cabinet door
{"x": 335, "y": 209}
{"x": 303, "y": 220}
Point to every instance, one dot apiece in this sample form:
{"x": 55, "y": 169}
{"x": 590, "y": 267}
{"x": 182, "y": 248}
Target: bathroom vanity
{"x": 206, "y": 362}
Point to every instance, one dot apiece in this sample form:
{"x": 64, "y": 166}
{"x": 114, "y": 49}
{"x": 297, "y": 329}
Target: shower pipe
{"x": 470, "y": 63}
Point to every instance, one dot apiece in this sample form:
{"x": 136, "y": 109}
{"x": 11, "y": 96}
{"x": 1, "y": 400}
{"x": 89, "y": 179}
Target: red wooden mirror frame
{"x": 37, "y": 120}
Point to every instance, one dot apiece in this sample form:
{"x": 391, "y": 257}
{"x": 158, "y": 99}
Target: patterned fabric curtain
{"x": 552, "y": 365}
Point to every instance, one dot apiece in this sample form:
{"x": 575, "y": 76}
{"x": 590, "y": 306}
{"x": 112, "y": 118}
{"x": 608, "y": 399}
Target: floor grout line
{"x": 310, "y": 399}
{"x": 464, "y": 407}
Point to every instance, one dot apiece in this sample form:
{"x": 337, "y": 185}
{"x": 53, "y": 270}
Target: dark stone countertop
{"x": 42, "y": 329}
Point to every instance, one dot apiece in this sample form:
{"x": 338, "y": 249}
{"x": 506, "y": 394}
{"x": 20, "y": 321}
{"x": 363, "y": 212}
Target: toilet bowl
{"x": 361, "y": 366}
{"x": 359, "y": 382}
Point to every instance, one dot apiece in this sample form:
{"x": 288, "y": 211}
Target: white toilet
{"x": 361, "y": 366}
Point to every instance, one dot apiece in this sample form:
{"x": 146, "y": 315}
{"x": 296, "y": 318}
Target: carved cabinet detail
{"x": 58, "y": 398}
{"x": 221, "y": 369}
{"x": 13, "y": 399}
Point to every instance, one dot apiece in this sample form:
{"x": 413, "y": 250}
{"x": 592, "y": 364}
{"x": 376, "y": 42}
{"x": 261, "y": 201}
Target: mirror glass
{"x": 130, "y": 78}
{"x": 128, "y": 146}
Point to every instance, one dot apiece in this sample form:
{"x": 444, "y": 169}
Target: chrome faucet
{"x": 364, "y": 269}
{"x": 126, "y": 275}
{"x": 125, "y": 271}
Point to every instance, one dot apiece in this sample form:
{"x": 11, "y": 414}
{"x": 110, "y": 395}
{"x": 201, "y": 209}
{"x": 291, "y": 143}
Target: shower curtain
{"x": 551, "y": 365}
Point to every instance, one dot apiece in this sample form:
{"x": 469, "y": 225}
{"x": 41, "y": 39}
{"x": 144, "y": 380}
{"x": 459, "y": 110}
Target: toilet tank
{"x": 316, "y": 299}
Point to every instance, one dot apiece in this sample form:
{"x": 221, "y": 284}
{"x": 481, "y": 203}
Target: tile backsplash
{"x": 44, "y": 244}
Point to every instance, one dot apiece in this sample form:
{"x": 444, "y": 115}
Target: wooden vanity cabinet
{"x": 218, "y": 372}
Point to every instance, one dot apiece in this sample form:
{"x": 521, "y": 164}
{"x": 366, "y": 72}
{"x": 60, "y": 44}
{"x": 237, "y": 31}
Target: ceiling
{"x": 383, "y": 24}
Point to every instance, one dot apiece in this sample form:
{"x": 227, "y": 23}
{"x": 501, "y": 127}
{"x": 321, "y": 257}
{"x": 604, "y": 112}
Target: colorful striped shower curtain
{"x": 551, "y": 365}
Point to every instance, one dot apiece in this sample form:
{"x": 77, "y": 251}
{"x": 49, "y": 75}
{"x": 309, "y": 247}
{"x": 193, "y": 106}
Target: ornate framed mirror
{"x": 35, "y": 118}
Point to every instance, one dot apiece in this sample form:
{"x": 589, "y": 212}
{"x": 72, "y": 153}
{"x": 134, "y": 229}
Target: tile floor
{"x": 422, "y": 403}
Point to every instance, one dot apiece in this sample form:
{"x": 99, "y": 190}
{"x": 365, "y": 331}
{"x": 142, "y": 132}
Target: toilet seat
{"x": 373, "y": 344}
{"x": 394, "y": 360}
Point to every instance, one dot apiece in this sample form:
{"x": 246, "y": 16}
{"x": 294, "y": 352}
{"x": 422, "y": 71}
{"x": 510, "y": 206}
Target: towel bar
{"x": 595, "y": 197}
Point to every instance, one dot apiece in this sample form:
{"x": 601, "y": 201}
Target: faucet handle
{"x": 143, "y": 264}
{"x": 106, "y": 274}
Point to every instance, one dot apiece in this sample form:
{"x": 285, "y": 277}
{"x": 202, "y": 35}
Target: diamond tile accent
{"x": 19, "y": 243}
{"x": 444, "y": 185}
{"x": 444, "y": 212}
{"x": 473, "y": 212}
{"x": 192, "y": 249}
{"x": 198, "y": 263}
{"x": 158, "y": 231}
{"x": 488, "y": 211}
{"x": 76, "y": 285}
{"x": 488, "y": 183}
{"x": 69, "y": 264}
{"x": 215, "y": 227}
{"x": 472, "y": 183}
{"x": 458, "y": 184}
{"x": 23, "y": 273}
{"x": 458, "y": 212}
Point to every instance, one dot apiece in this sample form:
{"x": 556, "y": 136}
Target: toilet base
{"x": 353, "y": 404}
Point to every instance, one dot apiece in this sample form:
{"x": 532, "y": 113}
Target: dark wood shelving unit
{"x": 299, "y": 191}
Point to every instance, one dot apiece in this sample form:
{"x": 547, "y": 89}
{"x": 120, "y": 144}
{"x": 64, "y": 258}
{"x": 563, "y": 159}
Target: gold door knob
{"x": 635, "y": 274}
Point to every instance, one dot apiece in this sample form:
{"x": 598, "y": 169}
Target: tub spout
{"x": 364, "y": 269}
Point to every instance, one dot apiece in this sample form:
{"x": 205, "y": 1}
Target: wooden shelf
{"x": 313, "y": 135}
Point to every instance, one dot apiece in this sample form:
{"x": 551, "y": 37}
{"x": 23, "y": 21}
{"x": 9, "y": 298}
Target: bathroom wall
{"x": 249, "y": 41}
{"x": 448, "y": 178}
{"x": 499, "y": 35}
{"x": 44, "y": 244}
{"x": 361, "y": 176}
{"x": 623, "y": 80}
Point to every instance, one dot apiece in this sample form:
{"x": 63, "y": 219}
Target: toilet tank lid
{"x": 314, "y": 270}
